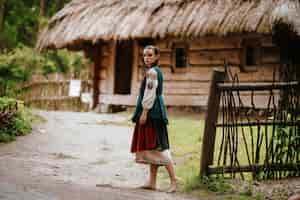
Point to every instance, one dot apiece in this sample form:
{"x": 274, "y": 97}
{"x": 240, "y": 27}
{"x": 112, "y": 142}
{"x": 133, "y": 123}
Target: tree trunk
{"x": 42, "y": 8}
{"x": 2, "y": 10}
{"x": 42, "y": 14}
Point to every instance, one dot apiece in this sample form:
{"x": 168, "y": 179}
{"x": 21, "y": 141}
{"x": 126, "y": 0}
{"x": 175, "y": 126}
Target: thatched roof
{"x": 94, "y": 20}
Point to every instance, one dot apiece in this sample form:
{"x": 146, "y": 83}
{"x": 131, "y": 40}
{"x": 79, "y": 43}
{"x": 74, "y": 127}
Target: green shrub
{"x": 17, "y": 66}
{"x": 13, "y": 122}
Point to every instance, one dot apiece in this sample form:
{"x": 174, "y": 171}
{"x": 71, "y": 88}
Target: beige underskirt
{"x": 154, "y": 157}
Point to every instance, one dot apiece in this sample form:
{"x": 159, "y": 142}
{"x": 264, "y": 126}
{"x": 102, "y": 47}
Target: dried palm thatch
{"x": 93, "y": 20}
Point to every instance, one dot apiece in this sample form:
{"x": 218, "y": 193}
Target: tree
{"x": 42, "y": 15}
{"x": 2, "y": 11}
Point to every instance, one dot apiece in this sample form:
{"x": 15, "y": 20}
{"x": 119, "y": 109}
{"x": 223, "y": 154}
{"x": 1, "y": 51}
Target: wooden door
{"x": 123, "y": 67}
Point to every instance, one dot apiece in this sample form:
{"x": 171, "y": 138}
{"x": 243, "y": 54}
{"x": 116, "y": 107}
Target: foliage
{"x": 20, "y": 22}
{"x": 15, "y": 67}
{"x": 19, "y": 28}
{"x": 19, "y": 64}
{"x": 7, "y": 102}
{"x": 54, "y": 6}
{"x": 22, "y": 19}
{"x": 63, "y": 62}
{"x": 14, "y": 122}
{"x": 285, "y": 148}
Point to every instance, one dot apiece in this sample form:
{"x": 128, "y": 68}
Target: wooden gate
{"x": 263, "y": 140}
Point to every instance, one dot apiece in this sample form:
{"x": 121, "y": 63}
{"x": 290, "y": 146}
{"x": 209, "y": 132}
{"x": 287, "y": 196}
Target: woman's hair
{"x": 154, "y": 48}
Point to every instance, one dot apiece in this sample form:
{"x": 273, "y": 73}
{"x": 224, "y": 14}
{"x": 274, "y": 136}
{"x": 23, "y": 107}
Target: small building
{"x": 194, "y": 37}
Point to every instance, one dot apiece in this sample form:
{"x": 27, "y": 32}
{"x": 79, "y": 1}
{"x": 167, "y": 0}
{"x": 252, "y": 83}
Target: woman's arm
{"x": 149, "y": 94}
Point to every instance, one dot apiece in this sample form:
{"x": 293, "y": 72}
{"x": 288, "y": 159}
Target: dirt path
{"x": 67, "y": 156}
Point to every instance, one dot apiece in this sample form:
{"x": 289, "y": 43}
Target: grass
{"x": 185, "y": 135}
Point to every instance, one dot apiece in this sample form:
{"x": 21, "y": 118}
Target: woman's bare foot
{"x": 172, "y": 188}
{"x": 148, "y": 186}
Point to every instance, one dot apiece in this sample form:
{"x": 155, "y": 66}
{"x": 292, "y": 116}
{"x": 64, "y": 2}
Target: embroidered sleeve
{"x": 150, "y": 89}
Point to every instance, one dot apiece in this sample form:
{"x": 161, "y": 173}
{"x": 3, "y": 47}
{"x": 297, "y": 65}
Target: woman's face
{"x": 150, "y": 57}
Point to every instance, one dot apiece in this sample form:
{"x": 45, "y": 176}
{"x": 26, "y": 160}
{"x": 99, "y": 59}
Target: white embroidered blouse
{"x": 150, "y": 89}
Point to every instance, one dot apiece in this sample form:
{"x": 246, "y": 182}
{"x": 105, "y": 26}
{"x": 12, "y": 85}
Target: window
{"x": 180, "y": 57}
{"x": 250, "y": 55}
{"x": 180, "y": 54}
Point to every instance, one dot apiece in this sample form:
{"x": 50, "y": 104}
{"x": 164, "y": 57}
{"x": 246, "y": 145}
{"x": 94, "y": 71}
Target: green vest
{"x": 158, "y": 110}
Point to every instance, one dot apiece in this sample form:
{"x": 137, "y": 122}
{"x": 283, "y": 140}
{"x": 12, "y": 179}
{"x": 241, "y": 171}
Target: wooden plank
{"x": 170, "y": 100}
{"x": 205, "y": 57}
{"x": 185, "y": 84}
{"x": 186, "y": 100}
{"x": 262, "y": 74}
{"x": 163, "y": 45}
{"x": 118, "y": 99}
{"x": 165, "y": 59}
{"x": 209, "y": 43}
{"x": 208, "y": 144}
{"x": 201, "y": 76}
{"x": 186, "y": 76}
{"x": 253, "y": 168}
{"x": 184, "y": 91}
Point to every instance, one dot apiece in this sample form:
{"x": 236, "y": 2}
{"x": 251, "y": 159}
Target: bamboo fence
{"x": 52, "y": 93}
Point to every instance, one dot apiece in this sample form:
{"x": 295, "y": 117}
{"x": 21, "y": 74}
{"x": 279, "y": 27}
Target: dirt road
{"x": 66, "y": 157}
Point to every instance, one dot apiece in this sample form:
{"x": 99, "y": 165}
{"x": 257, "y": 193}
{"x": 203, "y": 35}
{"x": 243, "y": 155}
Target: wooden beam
{"x": 210, "y": 121}
{"x": 264, "y": 123}
{"x": 111, "y": 67}
{"x": 257, "y": 86}
{"x": 135, "y": 70}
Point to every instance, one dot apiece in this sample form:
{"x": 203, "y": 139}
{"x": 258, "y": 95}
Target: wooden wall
{"x": 188, "y": 87}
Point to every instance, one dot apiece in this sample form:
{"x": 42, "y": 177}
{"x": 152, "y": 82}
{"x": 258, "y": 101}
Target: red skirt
{"x": 144, "y": 137}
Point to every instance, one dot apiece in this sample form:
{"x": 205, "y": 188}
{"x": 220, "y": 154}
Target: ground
{"x": 86, "y": 156}
{"x": 74, "y": 156}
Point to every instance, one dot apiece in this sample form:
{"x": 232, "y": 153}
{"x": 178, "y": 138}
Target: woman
{"x": 150, "y": 141}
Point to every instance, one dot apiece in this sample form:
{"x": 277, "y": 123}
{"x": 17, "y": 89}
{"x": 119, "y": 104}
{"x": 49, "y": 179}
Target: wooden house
{"x": 194, "y": 37}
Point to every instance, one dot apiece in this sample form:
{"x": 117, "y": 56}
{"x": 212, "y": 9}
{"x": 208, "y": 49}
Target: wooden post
{"x": 111, "y": 67}
{"x": 96, "y": 73}
{"x": 94, "y": 53}
{"x": 208, "y": 144}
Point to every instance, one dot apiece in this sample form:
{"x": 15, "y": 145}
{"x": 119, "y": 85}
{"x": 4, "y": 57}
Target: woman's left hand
{"x": 143, "y": 118}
